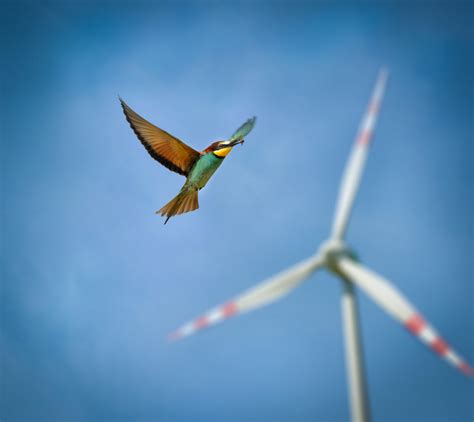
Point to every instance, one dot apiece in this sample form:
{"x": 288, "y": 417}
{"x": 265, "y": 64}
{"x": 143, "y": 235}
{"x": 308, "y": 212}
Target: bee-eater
{"x": 198, "y": 167}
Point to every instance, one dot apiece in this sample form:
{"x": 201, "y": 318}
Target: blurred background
{"x": 92, "y": 282}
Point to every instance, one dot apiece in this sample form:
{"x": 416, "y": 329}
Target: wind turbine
{"x": 337, "y": 257}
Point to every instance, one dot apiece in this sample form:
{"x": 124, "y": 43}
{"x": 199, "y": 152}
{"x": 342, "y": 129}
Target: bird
{"x": 174, "y": 154}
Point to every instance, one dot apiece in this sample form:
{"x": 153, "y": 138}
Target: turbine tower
{"x": 337, "y": 257}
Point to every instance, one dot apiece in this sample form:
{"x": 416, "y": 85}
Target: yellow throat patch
{"x": 222, "y": 152}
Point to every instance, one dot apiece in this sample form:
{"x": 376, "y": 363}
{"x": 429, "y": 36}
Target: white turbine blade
{"x": 355, "y": 165}
{"x": 262, "y": 294}
{"x": 395, "y": 304}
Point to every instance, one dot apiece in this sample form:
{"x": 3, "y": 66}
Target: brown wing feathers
{"x": 163, "y": 147}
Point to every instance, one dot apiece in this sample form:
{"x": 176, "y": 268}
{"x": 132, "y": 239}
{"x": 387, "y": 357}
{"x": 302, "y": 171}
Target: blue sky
{"x": 92, "y": 282}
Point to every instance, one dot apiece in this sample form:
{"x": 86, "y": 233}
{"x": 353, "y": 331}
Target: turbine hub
{"x": 332, "y": 249}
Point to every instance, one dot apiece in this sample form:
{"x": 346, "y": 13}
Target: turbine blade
{"x": 355, "y": 165}
{"x": 262, "y": 294}
{"x": 396, "y": 305}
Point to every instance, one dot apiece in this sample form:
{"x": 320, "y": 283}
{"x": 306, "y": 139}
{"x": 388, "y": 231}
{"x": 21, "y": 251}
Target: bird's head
{"x": 222, "y": 148}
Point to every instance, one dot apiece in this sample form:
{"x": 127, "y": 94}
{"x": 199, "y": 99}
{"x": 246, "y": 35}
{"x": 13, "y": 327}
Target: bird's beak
{"x": 234, "y": 143}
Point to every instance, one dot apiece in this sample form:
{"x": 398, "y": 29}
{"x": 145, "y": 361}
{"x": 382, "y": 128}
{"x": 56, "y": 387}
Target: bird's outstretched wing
{"x": 163, "y": 147}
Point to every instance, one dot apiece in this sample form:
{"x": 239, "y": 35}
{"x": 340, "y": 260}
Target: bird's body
{"x": 198, "y": 167}
{"x": 203, "y": 170}
{"x": 187, "y": 199}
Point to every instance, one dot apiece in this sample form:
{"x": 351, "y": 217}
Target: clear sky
{"x": 92, "y": 282}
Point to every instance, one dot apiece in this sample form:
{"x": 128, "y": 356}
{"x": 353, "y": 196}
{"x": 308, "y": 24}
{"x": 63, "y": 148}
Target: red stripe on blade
{"x": 439, "y": 346}
{"x": 229, "y": 309}
{"x": 374, "y": 107}
{"x": 174, "y": 336}
{"x": 201, "y": 322}
{"x": 466, "y": 369}
{"x": 415, "y": 324}
{"x": 364, "y": 138}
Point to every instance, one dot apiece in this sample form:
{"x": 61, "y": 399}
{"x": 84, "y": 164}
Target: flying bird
{"x": 197, "y": 167}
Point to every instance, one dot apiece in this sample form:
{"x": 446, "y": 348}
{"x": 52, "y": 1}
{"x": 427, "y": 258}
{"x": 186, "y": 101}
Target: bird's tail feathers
{"x": 185, "y": 201}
